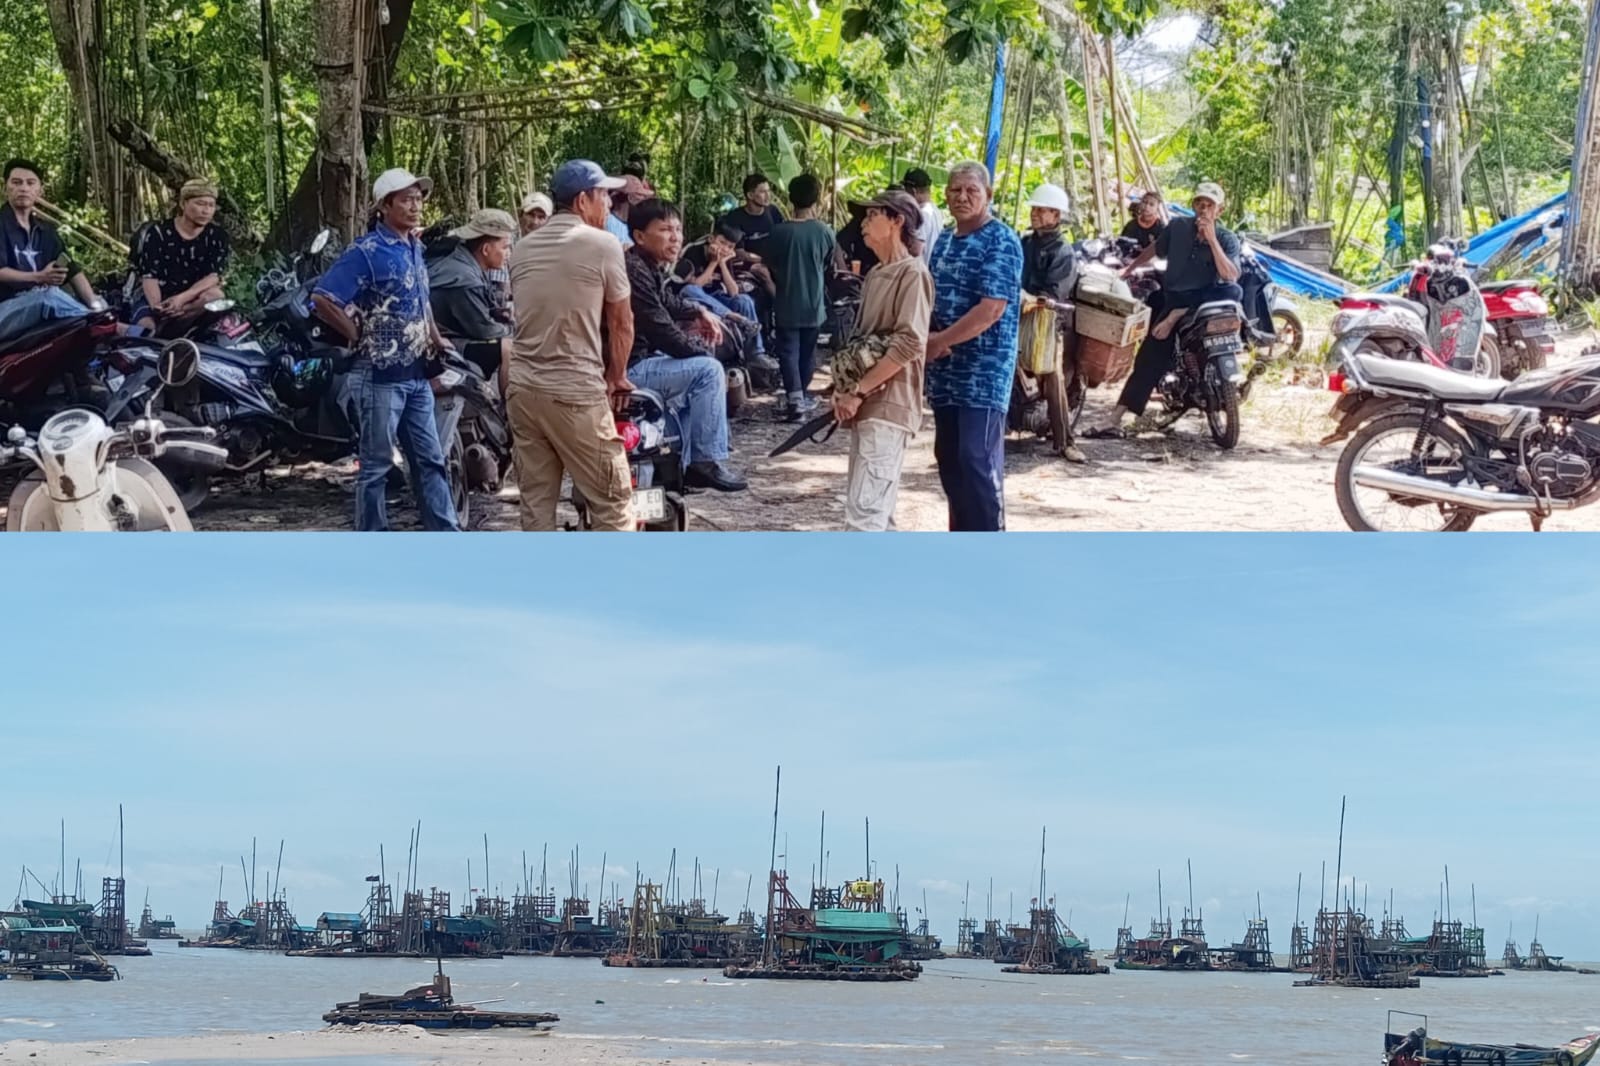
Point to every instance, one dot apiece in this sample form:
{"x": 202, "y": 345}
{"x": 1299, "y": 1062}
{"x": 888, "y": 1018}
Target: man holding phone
{"x": 34, "y": 264}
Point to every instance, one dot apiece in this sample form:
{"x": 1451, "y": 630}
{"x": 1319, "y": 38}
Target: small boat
{"x": 1417, "y": 1048}
{"x": 430, "y": 1006}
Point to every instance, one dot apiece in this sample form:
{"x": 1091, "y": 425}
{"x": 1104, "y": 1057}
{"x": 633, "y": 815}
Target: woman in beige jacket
{"x": 885, "y": 409}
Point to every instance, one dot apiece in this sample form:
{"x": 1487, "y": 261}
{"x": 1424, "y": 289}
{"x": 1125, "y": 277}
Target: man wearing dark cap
{"x": 920, "y": 186}
{"x": 566, "y": 278}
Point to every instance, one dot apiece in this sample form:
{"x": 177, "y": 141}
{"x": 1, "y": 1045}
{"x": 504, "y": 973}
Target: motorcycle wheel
{"x": 1394, "y": 438}
{"x": 1223, "y": 416}
{"x": 193, "y": 488}
{"x": 1487, "y": 365}
{"x": 455, "y": 462}
{"x": 1291, "y": 335}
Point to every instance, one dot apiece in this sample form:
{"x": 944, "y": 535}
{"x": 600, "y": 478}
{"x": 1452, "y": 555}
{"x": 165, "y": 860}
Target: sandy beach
{"x": 358, "y": 1046}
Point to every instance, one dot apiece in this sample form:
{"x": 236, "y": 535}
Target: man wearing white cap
{"x": 1050, "y": 267}
{"x": 536, "y": 211}
{"x": 1202, "y": 266}
{"x": 382, "y": 275}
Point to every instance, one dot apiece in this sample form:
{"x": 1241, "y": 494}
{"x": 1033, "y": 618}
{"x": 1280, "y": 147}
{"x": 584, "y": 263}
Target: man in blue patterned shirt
{"x": 972, "y": 351}
{"x": 383, "y": 277}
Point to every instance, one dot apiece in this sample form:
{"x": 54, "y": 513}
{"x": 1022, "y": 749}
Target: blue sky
{"x": 1150, "y": 699}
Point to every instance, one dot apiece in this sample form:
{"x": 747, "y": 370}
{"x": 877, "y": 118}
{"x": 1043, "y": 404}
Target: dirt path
{"x": 1278, "y": 479}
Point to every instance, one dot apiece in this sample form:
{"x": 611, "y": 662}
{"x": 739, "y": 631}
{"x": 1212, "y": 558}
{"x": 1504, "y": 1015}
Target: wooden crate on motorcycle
{"x": 1100, "y": 363}
{"x": 1117, "y": 330}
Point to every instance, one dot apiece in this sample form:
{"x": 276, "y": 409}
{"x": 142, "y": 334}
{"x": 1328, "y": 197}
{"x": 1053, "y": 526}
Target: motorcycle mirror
{"x": 16, "y": 435}
{"x": 217, "y": 307}
{"x": 179, "y": 363}
{"x": 321, "y": 241}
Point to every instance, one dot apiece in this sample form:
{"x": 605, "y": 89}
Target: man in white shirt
{"x": 920, "y": 186}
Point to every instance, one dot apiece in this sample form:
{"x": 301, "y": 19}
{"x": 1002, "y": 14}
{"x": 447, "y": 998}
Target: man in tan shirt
{"x": 561, "y": 390}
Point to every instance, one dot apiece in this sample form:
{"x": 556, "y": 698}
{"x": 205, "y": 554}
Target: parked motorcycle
{"x": 1440, "y": 320}
{"x": 1047, "y": 395}
{"x": 47, "y": 368}
{"x": 1520, "y": 316}
{"x": 1272, "y": 325}
{"x": 288, "y": 400}
{"x": 654, "y": 442}
{"x": 477, "y": 442}
{"x": 91, "y": 477}
{"x": 1433, "y": 449}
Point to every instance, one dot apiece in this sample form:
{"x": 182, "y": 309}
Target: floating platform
{"x": 1056, "y": 971}
{"x": 457, "y": 1018}
{"x": 335, "y": 953}
{"x": 821, "y": 973}
{"x": 1393, "y": 980}
{"x": 28, "y": 973}
{"x": 666, "y": 964}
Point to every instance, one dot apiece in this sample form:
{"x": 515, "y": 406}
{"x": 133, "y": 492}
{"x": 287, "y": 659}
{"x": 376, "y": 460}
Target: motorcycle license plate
{"x": 1220, "y": 342}
{"x": 649, "y": 505}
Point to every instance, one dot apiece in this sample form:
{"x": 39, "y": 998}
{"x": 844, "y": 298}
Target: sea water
{"x": 960, "y": 1011}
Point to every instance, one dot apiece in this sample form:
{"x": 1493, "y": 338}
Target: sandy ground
{"x": 1277, "y": 479}
{"x": 359, "y": 1046}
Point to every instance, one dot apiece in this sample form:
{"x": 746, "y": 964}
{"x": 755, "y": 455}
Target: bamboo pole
{"x": 1092, "y": 107}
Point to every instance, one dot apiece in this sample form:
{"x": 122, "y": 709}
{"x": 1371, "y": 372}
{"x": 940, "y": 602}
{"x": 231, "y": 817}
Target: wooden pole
{"x": 1092, "y": 107}
{"x": 1116, "y": 124}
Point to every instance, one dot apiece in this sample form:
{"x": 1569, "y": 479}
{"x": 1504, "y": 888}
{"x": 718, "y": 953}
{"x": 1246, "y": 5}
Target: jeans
{"x": 969, "y": 448}
{"x": 696, "y": 388}
{"x": 401, "y": 412}
{"x": 797, "y": 352}
{"x": 34, "y": 308}
{"x": 1156, "y": 358}
{"x": 723, "y": 306}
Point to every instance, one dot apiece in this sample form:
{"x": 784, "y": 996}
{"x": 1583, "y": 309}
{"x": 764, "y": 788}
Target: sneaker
{"x": 800, "y": 408}
{"x": 713, "y": 475}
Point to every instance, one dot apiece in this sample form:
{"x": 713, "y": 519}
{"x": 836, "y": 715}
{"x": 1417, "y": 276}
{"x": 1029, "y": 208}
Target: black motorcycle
{"x": 1205, "y": 376}
{"x": 654, "y": 442}
{"x": 1431, "y": 448}
{"x": 1272, "y": 328}
{"x": 478, "y": 452}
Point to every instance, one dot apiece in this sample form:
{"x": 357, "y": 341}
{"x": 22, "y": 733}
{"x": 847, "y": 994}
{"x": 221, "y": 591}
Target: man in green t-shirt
{"x": 799, "y": 252}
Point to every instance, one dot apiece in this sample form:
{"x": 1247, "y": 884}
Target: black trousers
{"x": 969, "y": 446}
{"x": 1156, "y": 358}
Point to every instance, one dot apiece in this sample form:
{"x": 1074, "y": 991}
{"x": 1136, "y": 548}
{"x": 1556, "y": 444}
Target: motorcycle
{"x": 290, "y": 401}
{"x": 47, "y": 368}
{"x": 1272, "y": 325}
{"x": 1206, "y": 374}
{"x": 1520, "y": 315}
{"x": 477, "y": 440}
{"x": 91, "y": 477}
{"x": 1440, "y": 320}
{"x": 654, "y": 443}
{"x": 1433, "y": 448}
{"x": 1047, "y": 397}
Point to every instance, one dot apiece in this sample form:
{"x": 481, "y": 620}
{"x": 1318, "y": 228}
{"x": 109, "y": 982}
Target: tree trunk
{"x": 341, "y": 155}
{"x": 72, "y": 26}
{"x": 302, "y": 218}
{"x": 1580, "y": 237}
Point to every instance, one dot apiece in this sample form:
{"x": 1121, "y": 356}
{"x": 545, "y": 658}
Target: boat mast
{"x": 772, "y": 869}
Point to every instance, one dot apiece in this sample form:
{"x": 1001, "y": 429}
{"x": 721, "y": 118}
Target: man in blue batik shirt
{"x": 383, "y": 277}
{"x": 972, "y": 351}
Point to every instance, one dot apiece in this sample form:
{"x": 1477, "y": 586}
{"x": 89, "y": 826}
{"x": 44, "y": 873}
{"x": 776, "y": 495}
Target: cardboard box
{"x": 1119, "y": 331}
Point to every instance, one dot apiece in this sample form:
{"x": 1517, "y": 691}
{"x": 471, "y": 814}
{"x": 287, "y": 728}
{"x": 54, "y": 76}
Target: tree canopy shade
{"x": 1305, "y": 110}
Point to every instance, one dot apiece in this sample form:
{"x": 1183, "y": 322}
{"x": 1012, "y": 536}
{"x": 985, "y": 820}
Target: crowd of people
{"x": 591, "y": 292}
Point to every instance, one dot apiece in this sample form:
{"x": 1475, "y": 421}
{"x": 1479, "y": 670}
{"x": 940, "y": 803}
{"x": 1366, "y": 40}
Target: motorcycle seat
{"x": 43, "y": 332}
{"x": 1448, "y": 385}
{"x": 1509, "y": 286}
{"x": 1211, "y": 310}
{"x": 242, "y": 357}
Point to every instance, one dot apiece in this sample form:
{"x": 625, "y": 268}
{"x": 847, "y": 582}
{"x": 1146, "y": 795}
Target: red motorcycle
{"x": 46, "y": 369}
{"x": 1521, "y": 316}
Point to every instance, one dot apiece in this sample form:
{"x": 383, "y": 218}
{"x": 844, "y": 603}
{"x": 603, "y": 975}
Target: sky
{"x": 1149, "y": 701}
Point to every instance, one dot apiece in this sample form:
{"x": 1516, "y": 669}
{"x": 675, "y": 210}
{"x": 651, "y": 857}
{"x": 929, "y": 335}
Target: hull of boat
{"x": 1579, "y": 1052}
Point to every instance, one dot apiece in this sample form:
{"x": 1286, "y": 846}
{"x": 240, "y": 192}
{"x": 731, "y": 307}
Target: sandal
{"x": 1105, "y": 433}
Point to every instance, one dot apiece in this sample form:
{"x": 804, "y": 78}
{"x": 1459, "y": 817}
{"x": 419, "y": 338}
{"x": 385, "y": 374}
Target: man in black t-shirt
{"x": 35, "y": 269}
{"x": 756, "y": 217}
{"x": 1146, "y": 225}
{"x": 178, "y": 263}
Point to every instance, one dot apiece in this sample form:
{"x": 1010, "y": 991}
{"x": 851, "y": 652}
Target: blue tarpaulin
{"x": 1532, "y": 230}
